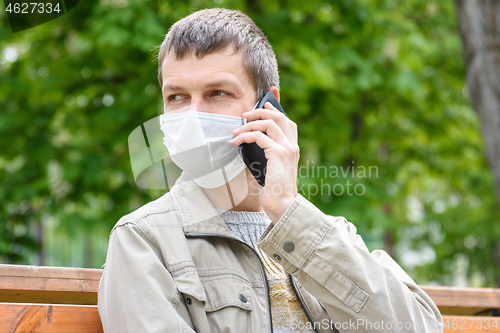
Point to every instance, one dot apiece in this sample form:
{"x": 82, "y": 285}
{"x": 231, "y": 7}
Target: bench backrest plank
{"x": 57, "y": 285}
{"x": 38, "y": 318}
{"x": 464, "y": 301}
{"x": 45, "y": 318}
{"x": 20, "y": 286}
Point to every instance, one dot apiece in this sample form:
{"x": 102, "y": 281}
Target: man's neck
{"x": 240, "y": 194}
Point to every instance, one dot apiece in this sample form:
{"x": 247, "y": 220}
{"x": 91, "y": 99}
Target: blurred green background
{"x": 376, "y": 84}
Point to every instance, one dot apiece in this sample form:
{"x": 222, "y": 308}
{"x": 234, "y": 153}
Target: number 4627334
{"x": 469, "y": 323}
{"x": 32, "y": 7}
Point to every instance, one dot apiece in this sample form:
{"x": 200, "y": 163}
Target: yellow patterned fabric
{"x": 286, "y": 312}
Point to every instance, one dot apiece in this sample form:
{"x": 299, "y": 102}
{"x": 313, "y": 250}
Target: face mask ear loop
{"x": 243, "y": 122}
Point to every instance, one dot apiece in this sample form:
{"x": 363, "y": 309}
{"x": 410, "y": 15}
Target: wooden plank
{"x": 463, "y": 301}
{"x": 48, "y": 296}
{"x": 471, "y": 324}
{"x": 45, "y": 318}
{"x": 40, "y": 284}
{"x": 68, "y": 285}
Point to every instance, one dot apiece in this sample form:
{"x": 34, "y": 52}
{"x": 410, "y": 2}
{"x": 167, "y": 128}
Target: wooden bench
{"x": 49, "y": 299}
{"x": 56, "y": 299}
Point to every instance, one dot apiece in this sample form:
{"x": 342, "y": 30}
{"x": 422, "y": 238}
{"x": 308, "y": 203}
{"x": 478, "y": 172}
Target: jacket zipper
{"x": 258, "y": 258}
{"x": 301, "y": 302}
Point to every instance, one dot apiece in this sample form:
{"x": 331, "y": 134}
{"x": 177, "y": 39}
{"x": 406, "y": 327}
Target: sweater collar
{"x": 198, "y": 216}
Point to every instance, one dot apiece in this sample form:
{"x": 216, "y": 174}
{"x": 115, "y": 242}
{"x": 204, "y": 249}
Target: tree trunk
{"x": 479, "y": 22}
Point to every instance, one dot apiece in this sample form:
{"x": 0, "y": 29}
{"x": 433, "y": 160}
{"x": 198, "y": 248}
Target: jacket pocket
{"x": 227, "y": 292}
{"x": 229, "y": 304}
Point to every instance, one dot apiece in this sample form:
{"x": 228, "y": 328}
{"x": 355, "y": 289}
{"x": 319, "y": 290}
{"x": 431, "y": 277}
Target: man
{"x": 220, "y": 253}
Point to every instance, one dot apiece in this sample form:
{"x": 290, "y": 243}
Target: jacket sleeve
{"x": 361, "y": 291}
{"x": 136, "y": 292}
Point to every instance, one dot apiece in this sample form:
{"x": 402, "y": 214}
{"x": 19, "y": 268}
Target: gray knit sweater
{"x": 286, "y": 312}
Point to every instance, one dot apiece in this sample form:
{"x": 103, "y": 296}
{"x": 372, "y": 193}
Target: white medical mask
{"x": 198, "y": 144}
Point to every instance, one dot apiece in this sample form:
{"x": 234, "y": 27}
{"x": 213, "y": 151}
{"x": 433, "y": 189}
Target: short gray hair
{"x": 212, "y": 30}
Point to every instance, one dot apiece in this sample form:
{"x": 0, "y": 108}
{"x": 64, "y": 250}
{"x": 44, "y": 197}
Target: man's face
{"x": 217, "y": 83}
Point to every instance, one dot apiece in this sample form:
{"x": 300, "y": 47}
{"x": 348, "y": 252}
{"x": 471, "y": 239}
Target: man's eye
{"x": 219, "y": 93}
{"x": 174, "y": 97}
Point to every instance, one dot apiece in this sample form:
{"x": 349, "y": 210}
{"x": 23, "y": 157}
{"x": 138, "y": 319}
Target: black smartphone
{"x": 252, "y": 154}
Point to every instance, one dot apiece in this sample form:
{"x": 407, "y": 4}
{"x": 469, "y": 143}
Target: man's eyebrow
{"x": 171, "y": 87}
{"x": 212, "y": 84}
{"x": 221, "y": 83}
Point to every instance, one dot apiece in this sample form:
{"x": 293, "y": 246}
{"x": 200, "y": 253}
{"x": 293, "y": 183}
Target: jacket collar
{"x": 198, "y": 215}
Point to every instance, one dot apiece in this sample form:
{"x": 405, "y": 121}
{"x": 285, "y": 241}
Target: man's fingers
{"x": 269, "y": 113}
{"x": 262, "y": 140}
{"x": 287, "y": 126}
{"x": 268, "y": 126}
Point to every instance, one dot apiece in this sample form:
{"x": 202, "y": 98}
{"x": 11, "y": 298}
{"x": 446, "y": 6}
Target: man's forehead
{"x": 219, "y": 66}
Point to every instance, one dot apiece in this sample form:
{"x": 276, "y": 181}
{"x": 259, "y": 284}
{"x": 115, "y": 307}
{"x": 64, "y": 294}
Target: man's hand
{"x": 282, "y": 153}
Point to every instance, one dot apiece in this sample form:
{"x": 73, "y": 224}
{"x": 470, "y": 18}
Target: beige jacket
{"x": 174, "y": 266}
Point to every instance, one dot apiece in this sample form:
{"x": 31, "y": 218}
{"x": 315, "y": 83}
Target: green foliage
{"x": 370, "y": 84}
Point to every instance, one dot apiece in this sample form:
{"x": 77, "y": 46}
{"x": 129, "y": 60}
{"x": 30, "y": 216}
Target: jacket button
{"x": 188, "y": 301}
{"x": 243, "y": 297}
{"x": 288, "y": 246}
{"x": 277, "y": 257}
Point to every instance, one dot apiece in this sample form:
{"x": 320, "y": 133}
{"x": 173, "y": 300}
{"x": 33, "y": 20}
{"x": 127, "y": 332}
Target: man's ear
{"x": 276, "y": 92}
